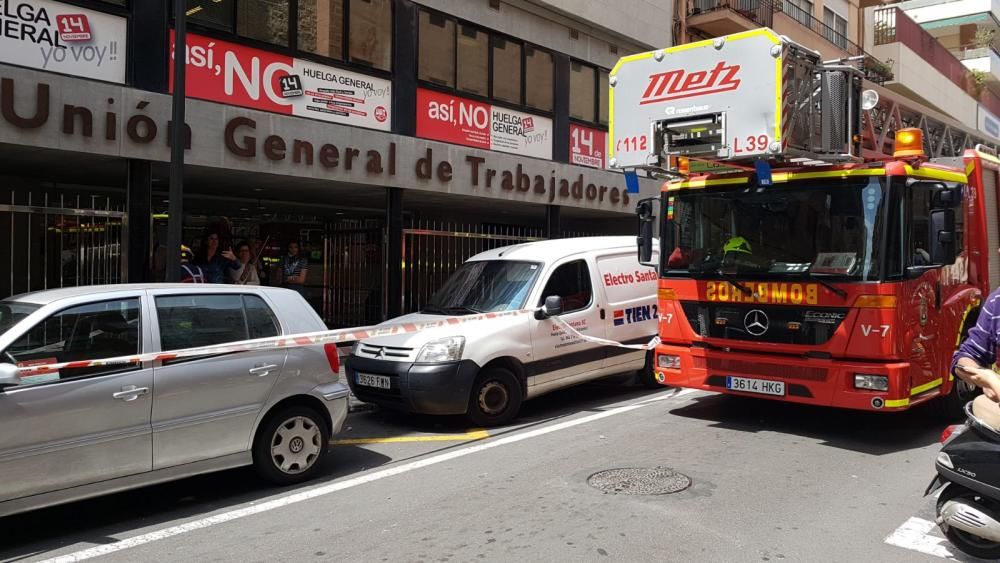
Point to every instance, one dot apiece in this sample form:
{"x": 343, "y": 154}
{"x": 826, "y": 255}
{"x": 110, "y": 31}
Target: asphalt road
{"x": 769, "y": 482}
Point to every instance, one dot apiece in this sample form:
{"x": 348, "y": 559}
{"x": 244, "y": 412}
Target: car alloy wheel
{"x": 296, "y": 445}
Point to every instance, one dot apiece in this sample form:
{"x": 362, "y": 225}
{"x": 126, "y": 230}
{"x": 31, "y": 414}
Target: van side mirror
{"x": 942, "y": 227}
{"x": 553, "y": 306}
{"x": 644, "y": 242}
{"x": 9, "y": 376}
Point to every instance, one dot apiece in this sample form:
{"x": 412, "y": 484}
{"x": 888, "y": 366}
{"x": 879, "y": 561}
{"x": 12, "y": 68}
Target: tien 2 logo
{"x": 630, "y": 315}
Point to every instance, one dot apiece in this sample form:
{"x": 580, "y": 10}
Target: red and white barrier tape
{"x": 310, "y": 339}
{"x": 604, "y": 341}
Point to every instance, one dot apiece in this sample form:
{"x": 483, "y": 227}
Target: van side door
{"x": 630, "y": 292}
{"x": 205, "y": 407}
{"x": 76, "y": 426}
{"x": 558, "y": 355}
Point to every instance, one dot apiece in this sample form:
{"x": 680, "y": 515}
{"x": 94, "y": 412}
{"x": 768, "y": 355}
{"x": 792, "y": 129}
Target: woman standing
{"x": 247, "y": 272}
{"x": 294, "y": 268}
{"x": 215, "y": 263}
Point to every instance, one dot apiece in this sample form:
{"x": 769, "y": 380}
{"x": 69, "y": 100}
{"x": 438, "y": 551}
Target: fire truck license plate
{"x": 762, "y": 386}
{"x": 380, "y": 381}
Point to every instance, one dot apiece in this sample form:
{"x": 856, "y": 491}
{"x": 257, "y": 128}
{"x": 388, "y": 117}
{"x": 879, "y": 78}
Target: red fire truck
{"x": 799, "y": 258}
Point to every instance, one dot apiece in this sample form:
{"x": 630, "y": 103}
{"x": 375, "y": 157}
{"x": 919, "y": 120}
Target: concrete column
{"x": 552, "y": 228}
{"x": 560, "y": 107}
{"x": 138, "y": 236}
{"x": 404, "y": 67}
{"x": 394, "y": 250}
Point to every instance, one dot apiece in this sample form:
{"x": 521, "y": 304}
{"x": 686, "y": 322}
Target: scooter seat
{"x": 987, "y": 411}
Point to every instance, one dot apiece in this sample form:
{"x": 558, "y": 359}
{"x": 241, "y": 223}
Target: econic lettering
{"x": 677, "y": 84}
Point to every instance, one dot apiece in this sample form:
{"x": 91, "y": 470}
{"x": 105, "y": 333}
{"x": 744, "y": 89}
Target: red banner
{"x": 587, "y": 146}
{"x": 451, "y": 119}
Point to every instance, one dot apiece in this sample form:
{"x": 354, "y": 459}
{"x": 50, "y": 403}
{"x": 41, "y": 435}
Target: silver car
{"x": 82, "y": 432}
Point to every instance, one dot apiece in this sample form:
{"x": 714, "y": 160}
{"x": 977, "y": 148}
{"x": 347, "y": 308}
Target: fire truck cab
{"x": 790, "y": 266}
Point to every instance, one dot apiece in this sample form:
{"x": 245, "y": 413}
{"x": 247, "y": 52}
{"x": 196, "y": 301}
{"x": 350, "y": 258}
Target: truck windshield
{"x": 803, "y": 228}
{"x": 484, "y": 286}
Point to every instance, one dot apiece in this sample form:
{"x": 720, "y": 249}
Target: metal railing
{"x": 758, "y": 11}
{"x": 818, "y": 27}
{"x": 977, "y": 53}
{"x": 892, "y": 25}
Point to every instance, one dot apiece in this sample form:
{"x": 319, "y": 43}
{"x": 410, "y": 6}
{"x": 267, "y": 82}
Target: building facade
{"x": 391, "y": 138}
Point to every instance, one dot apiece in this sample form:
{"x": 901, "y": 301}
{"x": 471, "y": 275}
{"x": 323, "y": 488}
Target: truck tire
{"x": 495, "y": 399}
{"x": 646, "y": 377}
{"x": 951, "y": 407}
{"x": 291, "y": 445}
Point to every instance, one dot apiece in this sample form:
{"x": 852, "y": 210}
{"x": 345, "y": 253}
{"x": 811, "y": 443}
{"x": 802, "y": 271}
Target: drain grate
{"x": 639, "y": 481}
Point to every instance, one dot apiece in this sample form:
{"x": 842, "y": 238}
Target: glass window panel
{"x": 581, "y": 91}
{"x": 321, "y": 27}
{"x": 506, "y": 70}
{"x": 264, "y": 20}
{"x": 437, "y": 49}
{"x": 572, "y": 283}
{"x": 260, "y": 319}
{"x": 538, "y": 78}
{"x": 200, "y": 320}
{"x": 473, "y": 60}
{"x": 211, "y": 13}
{"x": 371, "y": 33}
{"x": 602, "y": 97}
{"x": 86, "y": 332}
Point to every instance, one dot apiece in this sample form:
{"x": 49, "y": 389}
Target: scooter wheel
{"x": 964, "y": 541}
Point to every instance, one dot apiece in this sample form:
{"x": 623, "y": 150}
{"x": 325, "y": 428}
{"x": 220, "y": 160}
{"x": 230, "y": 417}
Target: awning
{"x": 982, "y": 18}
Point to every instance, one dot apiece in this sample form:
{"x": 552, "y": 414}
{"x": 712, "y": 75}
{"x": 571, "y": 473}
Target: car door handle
{"x": 260, "y": 370}
{"x": 130, "y": 393}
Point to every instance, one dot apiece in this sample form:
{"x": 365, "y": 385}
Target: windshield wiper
{"x": 462, "y": 309}
{"x": 738, "y": 285}
{"x": 433, "y": 310}
{"x": 819, "y": 279}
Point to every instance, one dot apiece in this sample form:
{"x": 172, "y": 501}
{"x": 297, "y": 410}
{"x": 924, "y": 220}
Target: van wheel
{"x": 647, "y": 375}
{"x": 291, "y": 445}
{"x": 495, "y": 399}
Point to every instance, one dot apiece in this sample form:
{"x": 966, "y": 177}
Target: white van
{"x": 486, "y": 368}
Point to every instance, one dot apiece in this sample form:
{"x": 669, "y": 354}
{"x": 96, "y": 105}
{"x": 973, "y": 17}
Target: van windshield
{"x": 11, "y": 313}
{"x": 484, "y": 286}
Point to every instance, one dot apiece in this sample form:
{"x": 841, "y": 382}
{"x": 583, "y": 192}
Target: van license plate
{"x": 380, "y": 381}
{"x": 762, "y": 386}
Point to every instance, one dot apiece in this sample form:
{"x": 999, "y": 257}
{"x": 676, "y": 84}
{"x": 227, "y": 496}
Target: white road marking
{"x": 281, "y": 502}
{"x": 913, "y": 535}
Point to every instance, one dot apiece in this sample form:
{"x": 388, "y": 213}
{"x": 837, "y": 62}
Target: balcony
{"x": 712, "y": 18}
{"x": 923, "y": 69}
{"x": 985, "y": 62}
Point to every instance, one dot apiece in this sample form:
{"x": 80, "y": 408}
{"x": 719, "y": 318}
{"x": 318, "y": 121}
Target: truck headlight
{"x": 667, "y": 361}
{"x": 871, "y": 382}
{"x": 442, "y": 350}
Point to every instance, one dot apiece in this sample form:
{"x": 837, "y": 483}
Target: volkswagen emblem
{"x": 756, "y": 322}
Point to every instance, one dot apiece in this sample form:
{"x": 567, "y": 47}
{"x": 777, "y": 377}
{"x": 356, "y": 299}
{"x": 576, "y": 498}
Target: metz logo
{"x": 677, "y": 84}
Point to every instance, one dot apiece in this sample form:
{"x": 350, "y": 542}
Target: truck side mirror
{"x": 9, "y": 376}
{"x": 553, "y": 306}
{"x": 946, "y": 198}
{"x": 942, "y": 227}
{"x": 644, "y": 242}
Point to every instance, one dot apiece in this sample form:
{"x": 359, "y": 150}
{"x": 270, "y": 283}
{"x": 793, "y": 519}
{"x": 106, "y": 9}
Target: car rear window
{"x": 188, "y": 321}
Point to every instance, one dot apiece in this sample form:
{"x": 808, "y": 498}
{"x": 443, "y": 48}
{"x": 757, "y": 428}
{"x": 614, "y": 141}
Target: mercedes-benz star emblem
{"x": 756, "y": 322}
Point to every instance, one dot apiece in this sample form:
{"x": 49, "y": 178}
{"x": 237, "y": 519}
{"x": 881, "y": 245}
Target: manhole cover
{"x": 639, "y": 481}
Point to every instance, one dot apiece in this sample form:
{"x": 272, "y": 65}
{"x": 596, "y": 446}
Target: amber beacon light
{"x": 909, "y": 142}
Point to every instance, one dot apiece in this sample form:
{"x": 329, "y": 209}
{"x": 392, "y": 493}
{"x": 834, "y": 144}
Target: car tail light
{"x": 332, "y": 356}
{"x": 951, "y": 432}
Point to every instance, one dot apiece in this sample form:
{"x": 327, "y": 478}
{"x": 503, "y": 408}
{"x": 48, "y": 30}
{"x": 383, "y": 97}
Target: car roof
{"x": 47, "y": 296}
{"x": 547, "y": 250}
